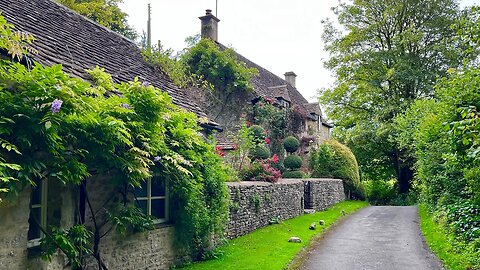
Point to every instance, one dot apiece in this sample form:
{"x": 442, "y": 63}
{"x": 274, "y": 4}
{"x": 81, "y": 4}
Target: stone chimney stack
{"x": 209, "y": 26}
{"x": 290, "y": 78}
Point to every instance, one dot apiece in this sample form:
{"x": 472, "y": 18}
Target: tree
{"x": 391, "y": 53}
{"x": 104, "y": 12}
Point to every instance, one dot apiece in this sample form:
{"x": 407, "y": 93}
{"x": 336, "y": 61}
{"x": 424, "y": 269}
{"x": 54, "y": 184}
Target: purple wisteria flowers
{"x": 157, "y": 159}
{"x": 145, "y": 84}
{"x": 56, "y": 105}
{"x": 125, "y": 106}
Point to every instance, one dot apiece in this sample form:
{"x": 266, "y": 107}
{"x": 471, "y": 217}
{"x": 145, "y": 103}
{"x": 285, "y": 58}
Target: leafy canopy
{"x": 104, "y": 12}
{"x": 390, "y": 54}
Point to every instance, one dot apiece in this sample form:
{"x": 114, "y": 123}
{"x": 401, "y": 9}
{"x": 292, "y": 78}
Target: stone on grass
{"x": 321, "y": 222}
{"x": 309, "y": 211}
{"x": 294, "y": 239}
{"x": 313, "y": 226}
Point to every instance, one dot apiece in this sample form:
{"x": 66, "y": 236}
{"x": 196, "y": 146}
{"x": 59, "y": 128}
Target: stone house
{"x": 64, "y": 37}
{"x": 282, "y": 91}
{"x": 67, "y": 38}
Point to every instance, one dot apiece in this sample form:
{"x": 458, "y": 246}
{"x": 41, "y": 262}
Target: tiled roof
{"x": 67, "y": 38}
{"x": 280, "y": 92}
{"x": 265, "y": 80}
{"x": 313, "y": 108}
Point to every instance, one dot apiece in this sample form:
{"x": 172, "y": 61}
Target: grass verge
{"x": 268, "y": 248}
{"x": 454, "y": 255}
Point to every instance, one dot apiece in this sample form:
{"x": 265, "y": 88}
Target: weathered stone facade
{"x": 255, "y": 204}
{"x": 321, "y": 193}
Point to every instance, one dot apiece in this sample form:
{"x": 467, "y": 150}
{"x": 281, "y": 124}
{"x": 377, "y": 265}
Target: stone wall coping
{"x": 260, "y": 183}
{"x": 322, "y": 180}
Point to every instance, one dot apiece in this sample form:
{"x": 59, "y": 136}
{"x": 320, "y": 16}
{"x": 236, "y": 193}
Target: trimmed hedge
{"x": 293, "y": 162}
{"x": 294, "y": 174}
{"x": 260, "y": 152}
{"x": 257, "y": 132}
{"x": 291, "y": 144}
{"x": 335, "y": 160}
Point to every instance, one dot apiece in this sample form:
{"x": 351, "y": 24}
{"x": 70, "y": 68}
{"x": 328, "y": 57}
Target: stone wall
{"x": 255, "y": 204}
{"x": 321, "y": 193}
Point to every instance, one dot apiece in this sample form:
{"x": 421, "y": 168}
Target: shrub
{"x": 294, "y": 174}
{"x": 335, "y": 160}
{"x": 258, "y": 133}
{"x": 260, "y": 152}
{"x": 291, "y": 144}
{"x": 380, "y": 192}
{"x": 260, "y": 171}
{"x": 292, "y": 162}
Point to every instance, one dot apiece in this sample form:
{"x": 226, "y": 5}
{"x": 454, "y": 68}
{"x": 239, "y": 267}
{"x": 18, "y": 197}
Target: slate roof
{"x": 265, "y": 80}
{"x": 313, "y": 108}
{"x": 65, "y": 37}
{"x": 280, "y": 92}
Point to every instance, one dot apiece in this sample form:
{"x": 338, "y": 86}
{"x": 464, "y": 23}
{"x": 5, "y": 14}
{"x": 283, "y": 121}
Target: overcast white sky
{"x": 279, "y": 35}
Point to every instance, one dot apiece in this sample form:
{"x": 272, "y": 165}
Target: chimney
{"x": 209, "y": 25}
{"x": 290, "y": 78}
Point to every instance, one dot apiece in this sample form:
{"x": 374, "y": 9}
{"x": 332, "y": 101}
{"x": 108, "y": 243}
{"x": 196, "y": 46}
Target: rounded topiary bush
{"x": 259, "y": 152}
{"x": 291, "y": 144}
{"x": 292, "y": 162}
{"x": 335, "y": 160}
{"x": 257, "y": 132}
{"x": 294, "y": 174}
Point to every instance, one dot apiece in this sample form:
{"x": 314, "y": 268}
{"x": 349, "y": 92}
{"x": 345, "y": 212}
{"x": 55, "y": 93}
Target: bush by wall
{"x": 260, "y": 152}
{"x": 293, "y": 162}
{"x": 291, "y": 144}
{"x": 294, "y": 174}
{"x": 335, "y": 160}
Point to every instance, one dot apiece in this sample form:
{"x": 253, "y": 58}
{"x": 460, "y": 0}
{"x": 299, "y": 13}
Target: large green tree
{"x": 104, "y": 12}
{"x": 389, "y": 54}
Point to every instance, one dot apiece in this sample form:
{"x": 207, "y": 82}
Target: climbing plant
{"x": 62, "y": 128}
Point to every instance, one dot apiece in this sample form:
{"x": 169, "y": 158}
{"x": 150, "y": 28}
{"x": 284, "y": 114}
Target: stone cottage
{"x": 282, "y": 91}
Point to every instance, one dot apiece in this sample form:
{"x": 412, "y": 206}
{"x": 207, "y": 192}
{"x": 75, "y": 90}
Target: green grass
{"x": 268, "y": 247}
{"x": 454, "y": 255}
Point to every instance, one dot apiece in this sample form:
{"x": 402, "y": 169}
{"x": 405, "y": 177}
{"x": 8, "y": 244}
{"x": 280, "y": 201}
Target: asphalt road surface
{"x": 376, "y": 237}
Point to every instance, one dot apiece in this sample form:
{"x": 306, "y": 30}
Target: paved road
{"x": 377, "y": 237}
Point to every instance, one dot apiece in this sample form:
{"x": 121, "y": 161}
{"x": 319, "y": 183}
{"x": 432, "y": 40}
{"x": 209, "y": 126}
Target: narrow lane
{"x": 377, "y": 237}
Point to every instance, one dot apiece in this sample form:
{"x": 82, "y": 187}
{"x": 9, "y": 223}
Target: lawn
{"x": 454, "y": 255}
{"x": 268, "y": 247}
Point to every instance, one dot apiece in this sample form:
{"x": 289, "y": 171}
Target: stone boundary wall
{"x": 321, "y": 193}
{"x": 255, "y": 204}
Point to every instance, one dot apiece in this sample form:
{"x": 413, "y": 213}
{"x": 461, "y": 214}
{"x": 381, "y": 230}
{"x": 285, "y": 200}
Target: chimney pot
{"x": 290, "y": 78}
{"x": 208, "y": 12}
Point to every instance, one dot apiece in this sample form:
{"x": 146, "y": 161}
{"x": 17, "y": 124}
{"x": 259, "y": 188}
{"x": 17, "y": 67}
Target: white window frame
{"x": 149, "y": 198}
{"x": 43, "y": 212}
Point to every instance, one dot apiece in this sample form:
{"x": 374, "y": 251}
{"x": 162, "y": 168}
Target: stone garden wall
{"x": 256, "y": 204}
{"x": 321, "y": 193}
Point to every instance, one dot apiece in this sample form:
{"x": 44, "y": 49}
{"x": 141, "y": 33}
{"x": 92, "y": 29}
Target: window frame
{"x": 35, "y": 242}
{"x": 149, "y": 198}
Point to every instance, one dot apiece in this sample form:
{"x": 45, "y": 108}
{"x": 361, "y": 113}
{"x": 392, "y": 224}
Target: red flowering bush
{"x": 262, "y": 170}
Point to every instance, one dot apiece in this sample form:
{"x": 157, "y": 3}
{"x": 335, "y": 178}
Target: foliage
{"x": 170, "y": 64}
{"x": 293, "y": 162}
{"x": 390, "y": 55}
{"x": 291, "y": 144}
{"x": 130, "y": 219}
{"x": 259, "y": 152}
{"x": 255, "y": 250}
{"x": 276, "y": 122}
{"x": 74, "y": 243}
{"x": 15, "y": 43}
{"x": 454, "y": 254}
{"x": 335, "y": 160}
{"x": 261, "y": 170}
{"x": 218, "y": 67}
{"x": 64, "y": 129}
{"x": 243, "y": 141}
{"x": 463, "y": 218}
{"x": 380, "y": 192}
{"x": 104, "y": 12}
{"x": 258, "y": 133}
{"x": 294, "y": 174}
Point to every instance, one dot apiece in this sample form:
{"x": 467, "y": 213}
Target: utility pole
{"x": 216, "y": 8}
{"x": 149, "y": 29}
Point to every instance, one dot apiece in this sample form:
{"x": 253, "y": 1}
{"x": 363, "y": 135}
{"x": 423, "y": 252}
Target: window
{"x": 38, "y": 213}
{"x": 152, "y": 198}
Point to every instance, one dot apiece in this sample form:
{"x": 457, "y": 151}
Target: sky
{"x": 279, "y": 35}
